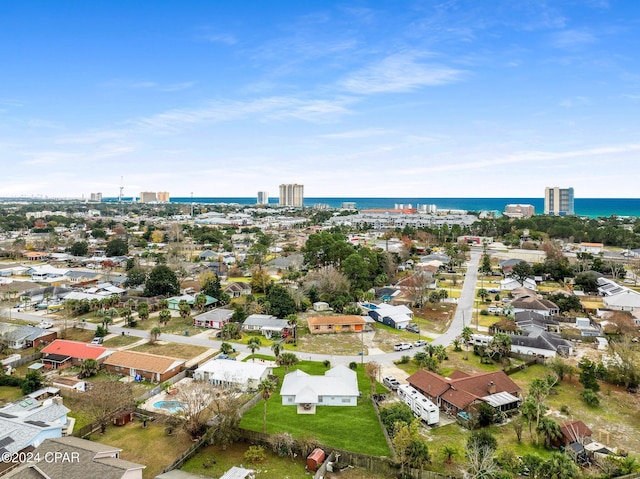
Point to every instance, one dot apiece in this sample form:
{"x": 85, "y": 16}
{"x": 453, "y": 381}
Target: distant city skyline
{"x": 351, "y": 98}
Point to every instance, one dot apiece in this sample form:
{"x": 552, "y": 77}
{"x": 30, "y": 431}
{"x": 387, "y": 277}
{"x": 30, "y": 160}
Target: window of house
{"x": 346, "y": 400}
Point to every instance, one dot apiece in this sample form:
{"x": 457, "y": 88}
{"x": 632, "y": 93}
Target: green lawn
{"x": 212, "y": 461}
{"x": 119, "y": 341}
{"x": 342, "y": 427}
{"x": 8, "y": 393}
{"x": 174, "y": 350}
{"x": 149, "y": 446}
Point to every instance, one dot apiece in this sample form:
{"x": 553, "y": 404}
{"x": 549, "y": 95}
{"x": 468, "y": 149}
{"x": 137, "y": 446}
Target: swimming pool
{"x": 171, "y": 406}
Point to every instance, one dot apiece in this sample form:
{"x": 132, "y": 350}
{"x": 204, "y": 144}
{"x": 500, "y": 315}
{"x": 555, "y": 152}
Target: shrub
{"x": 484, "y": 312}
{"x": 564, "y": 409}
{"x": 353, "y": 365}
{"x": 327, "y": 363}
{"x": 590, "y": 398}
{"x": 255, "y": 454}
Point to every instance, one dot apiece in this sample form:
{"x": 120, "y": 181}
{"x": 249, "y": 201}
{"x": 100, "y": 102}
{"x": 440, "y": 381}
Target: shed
{"x": 123, "y": 418}
{"x": 315, "y": 459}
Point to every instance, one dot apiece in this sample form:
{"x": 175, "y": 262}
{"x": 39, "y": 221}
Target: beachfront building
{"x": 263, "y": 198}
{"x": 291, "y": 195}
{"x": 558, "y": 201}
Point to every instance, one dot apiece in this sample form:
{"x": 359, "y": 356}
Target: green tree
{"x": 483, "y": 294}
{"x": 79, "y": 248}
{"x": 287, "y": 360}
{"x": 466, "y": 334}
{"x": 394, "y": 414}
{"x": 164, "y": 316}
{"x": 549, "y": 430}
{"x": 116, "y": 247}
{"x": 485, "y": 265}
{"x": 154, "y": 334}
{"x": 559, "y": 466}
{"x": 143, "y": 310}
{"x": 32, "y": 382}
{"x": 200, "y": 302}
{"x": 521, "y": 271}
{"x": 588, "y": 374}
{"x": 184, "y": 308}
{"x": 89, "y": 368}
{"x": 266, "y": 388}
{"x": 211, "y": 286}
{"x": 162, "y": 281}
{"x": 282, "y": 304}
{"x": 254, "y": 344}
{"x": 276, "y": 347}
{"x": 226, "y": 348}
{"x": 135, "y": 277}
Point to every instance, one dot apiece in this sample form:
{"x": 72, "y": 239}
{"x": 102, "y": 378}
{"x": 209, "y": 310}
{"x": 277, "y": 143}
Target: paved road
{"x": 461, "y": 318}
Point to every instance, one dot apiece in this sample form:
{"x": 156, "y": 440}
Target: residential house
{"x": 77, "y": 458}
{"x": 237, "y": 289}
{"x": 336, "y": 324}
{"x": 625, "y": 300}
{"x": 208, "y": 255}
{"x": 592, "y": 248}
{"x": 574, "y": 431}
{"x": 510, "y": 283}
{"x": 22, "y": 337}
{"x": 507, "y": 265}
{"x": 63, "y": 353}
{"x": 236, "y": 374}
{"x": 151, "y": 367}
{"x": 541, "y": 343}
{"x": 530, "y": 321}
{"x": 321, "y": 306}
{"x": 463, "y": 392}
{"x": 397, "y": 317}
{"x": 292, "y": 262}
{"x": 535, "y": 305}
{"x": 338, "y": 387}
{"x": 28, "y": 422}
{"x": 214, "y": 318}
{"x": 81, "y": 277}
{"x": 174, "y": 302}
{"x": 266, "y": 324}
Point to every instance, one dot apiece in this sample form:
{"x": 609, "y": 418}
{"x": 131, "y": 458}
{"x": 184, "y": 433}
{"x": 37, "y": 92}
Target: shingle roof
{"x": 143, "y": 361}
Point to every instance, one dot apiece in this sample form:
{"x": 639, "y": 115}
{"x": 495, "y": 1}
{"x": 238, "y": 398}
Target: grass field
{"x": 119, "y": 341}
{"x": 174, "y": 350}
{"x": 77, "y": 334}
{"x": 212, "y": 461}
{"x": 149, "y": 446}
{"x": 342, "y": 427}
{"x": 8, "y": 394}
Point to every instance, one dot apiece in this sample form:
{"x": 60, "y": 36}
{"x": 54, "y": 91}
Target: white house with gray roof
{"x": 338, "y": 387}
{"x": 265, "y": 323}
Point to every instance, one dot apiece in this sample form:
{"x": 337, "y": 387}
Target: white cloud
{"x": 572, "y": 39}
{"x": 401, "y": 72}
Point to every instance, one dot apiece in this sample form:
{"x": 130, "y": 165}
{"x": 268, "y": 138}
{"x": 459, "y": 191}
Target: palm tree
{"x": 254, "y": 344}
{"x": 226, "y": 348}
{"x": 88, "y": 368}
{"x": 440, "y": 352}
{"x": 229, "y": 331}
{"x": 550, "y": 429}
{"x": 200, "y": 302}
{"x": 164, "y": 316}
{"x": 292, "y": 321}
{"x": 106, "y": 321}
{"x": 266, "y": 388}
{"x": 287, "y": 360}
{"x": 154, "y": 334}
{"x": 276, "y": 348}
{"x": 143, "y": 311}
{"x": 448, "y": 452}
{"x": 163, "y": 304}
{"x": 466, "y": 334}
{"x": 483, "y": 294}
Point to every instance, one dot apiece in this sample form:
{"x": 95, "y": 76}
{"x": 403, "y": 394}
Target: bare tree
{"x": 105, "y": 398}
{"x": 327, "y": 280}
{"x": 372, "y": 370}
{"x": 481, "y": 464}
{"x": 417, "y": 287}
{"x": 196, "y": 398}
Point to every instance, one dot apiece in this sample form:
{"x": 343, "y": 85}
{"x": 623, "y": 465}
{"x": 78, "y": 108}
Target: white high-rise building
{"x": 558, "y": 201}
{"x": 291, "y": 195}
{"x": 263, "y": 198}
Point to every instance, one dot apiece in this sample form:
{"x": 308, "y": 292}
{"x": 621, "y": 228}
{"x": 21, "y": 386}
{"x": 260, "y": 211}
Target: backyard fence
{"x": 24, "y": 360}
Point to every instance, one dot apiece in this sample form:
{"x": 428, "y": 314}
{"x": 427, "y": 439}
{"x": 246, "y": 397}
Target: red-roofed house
{"x": 461, "y": 391}
{"x": 63, "y": 353}
{"x": 574, "y": 431}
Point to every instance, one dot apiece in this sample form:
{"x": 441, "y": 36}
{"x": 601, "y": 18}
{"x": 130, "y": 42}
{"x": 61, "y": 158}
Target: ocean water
{"x": 591, "y": 207}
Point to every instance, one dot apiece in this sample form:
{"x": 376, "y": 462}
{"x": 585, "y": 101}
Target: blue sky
{"x": 476, "y": 98}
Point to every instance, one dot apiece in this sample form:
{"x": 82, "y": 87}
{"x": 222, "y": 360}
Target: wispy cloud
{"x": 575, "y": 102}
{"x": 401, "y": 72}
{"x": 572, "y": 39}
{"x": 347, "y": 135}
{"x": 224, "y": 38}
{"x": 148, "y": 85}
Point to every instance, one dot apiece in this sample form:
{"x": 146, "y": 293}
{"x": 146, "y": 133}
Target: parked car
{"x": 419, "y": 343}
{"x": 391, "y": 382}
{"x": 45, "y": 325}
{"x": 413, "y": 328}
{"x": 225, "y": 356}
{"x": 97, "y": 340}
{"x": 402, "y": 346}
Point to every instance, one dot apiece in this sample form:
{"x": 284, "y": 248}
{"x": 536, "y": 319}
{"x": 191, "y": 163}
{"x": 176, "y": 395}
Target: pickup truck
{"x": 391, "y": 382}
{"x": 402, "y": 346}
